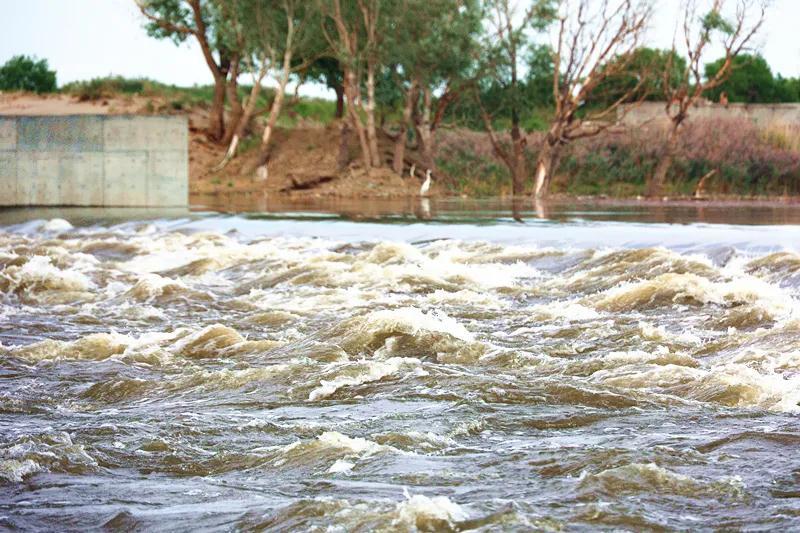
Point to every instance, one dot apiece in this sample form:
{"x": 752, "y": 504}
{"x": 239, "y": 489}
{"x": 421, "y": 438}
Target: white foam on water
{"x": 38, "y": 273}
{"x": 419, "y": 509}
{"x": 56, "y": 224}
{"x": 374, "y": 371}
{"x": 340, "y": 466}
{"x": 415, "y": 320}
{"x": 14, "y": 471}
{"x": 570, "y": 310}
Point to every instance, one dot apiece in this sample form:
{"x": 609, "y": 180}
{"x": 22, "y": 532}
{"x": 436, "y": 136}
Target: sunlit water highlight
{"x": 236, "y": 373}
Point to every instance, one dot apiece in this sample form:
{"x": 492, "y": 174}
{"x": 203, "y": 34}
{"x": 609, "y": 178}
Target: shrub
{"x": 23, "y": 73}
{"x": 748, "y": 159}
{"x": 99, "y": 88}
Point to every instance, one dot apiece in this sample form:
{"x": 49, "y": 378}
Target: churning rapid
{"x": 183, "y": 375}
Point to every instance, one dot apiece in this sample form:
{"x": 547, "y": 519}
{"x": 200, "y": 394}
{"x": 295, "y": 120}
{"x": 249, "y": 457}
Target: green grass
{"x": 309, "y": 109}
{"x": 473, "y": 175}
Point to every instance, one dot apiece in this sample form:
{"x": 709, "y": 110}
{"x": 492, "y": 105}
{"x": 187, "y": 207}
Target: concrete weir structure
{"x": 94, "y": 160}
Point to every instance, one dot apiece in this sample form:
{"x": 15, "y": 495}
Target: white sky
{"x": 83, "y": 39}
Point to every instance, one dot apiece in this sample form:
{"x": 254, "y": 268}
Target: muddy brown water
{"x": 399, "y": 366}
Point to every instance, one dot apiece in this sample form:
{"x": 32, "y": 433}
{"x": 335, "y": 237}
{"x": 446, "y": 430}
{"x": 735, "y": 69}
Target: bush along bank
{"x": 719, "y": 157}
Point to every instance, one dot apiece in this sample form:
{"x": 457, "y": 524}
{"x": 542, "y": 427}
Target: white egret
{"x": 426, "y": 185}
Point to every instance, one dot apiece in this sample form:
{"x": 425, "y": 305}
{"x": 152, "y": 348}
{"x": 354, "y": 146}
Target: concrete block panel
{"x": 82, "y": 178}
{"x": 8, "y": 178}
{"x": 37, "y": 178}
{"x": 145, "y": 133}
{"x": 60, "y": 134}
{"x": 167, "y": 179}
{"x": 125, "y": 179}
{"x": 94, "y": 160}
{"x": 8, "y": 134}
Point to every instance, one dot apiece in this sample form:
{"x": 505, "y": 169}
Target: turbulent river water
{"x": 311, "y": 373}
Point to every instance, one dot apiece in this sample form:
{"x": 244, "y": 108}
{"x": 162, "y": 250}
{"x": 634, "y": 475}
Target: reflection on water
{"x": 430, "y": 365}
{"x": 713, "y": 212}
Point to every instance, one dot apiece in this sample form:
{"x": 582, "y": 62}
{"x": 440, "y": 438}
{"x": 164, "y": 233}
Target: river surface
{"x": 433, "y": 367}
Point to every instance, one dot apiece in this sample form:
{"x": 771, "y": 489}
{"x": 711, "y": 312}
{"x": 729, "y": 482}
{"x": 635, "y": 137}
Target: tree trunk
{"x": 343, "y": 159}
{"x": 236, "y": 109}
{"x": 425, "y": 132}
{"x": 274, "y": 113}
{"x": 372, "y": 132}
{"x": 216, "y": 123}
{"x": 339, "y": 101}
{"x": 216, "y": 119}
{"x": 655, "y": 185}
{"x": 232, "y": 95}
{"x": 545, "y": 167}
{"x": 244, "y": 119}
{"x": 519, "y": 170}
{"x": 400, "y": 143}
{"x": 350, "y": 89}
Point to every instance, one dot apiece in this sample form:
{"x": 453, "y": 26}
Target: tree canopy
{"x": 23, "y": 73}
{"x": 750, "y": 81}
{"x": 641, "y": 76}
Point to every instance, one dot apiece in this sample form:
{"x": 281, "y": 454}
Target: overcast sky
{"x": 83, "y": 39}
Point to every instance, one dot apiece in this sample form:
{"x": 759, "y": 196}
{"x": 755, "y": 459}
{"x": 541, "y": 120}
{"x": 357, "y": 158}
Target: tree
{"x": 750, "y": 80}
{"x": 641, "y": 75}
{"x": 23, "y": 73}
{"x": 351, "y": 30}
{"x": 326, "y": 69}
{"x": 699, "y": 33}
{"x": 202, "y": 19}
{"x": 788, "y": 89}
{"x": 592, "y": 47}
{"x": 504, "y": 45}
{"x": 430, "y": 57}
{"x": 275, "y": 30}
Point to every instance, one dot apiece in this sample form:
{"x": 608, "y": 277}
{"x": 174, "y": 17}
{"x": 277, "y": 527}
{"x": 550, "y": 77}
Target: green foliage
{"x": 309, "y": 109}
{"x": 23, "y": 73}
{"x": 614, "y": 170}
{"x": 473, "y": 174}
{"x": 787, "y": 89}
{"x": 515, "y": 74}
{"x": 533, "y": 102}
{"x": 100, "y": 88}
{"x": 750, "y": 81}
{"x": 713, "y": 20}
{"x": 112, "y": 86}
{"x": 640, "y": 76}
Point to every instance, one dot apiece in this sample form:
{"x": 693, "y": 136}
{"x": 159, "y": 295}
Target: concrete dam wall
{"x": 762, "y": 115}
{"x": 94, "y": 160}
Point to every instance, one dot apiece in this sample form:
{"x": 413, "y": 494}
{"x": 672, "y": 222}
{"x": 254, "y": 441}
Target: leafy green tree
{"x": 535, "y": 87}
{"x": 326, "y": 69}
{"x": 268, "y": 36}
{"x": 788, "y": 89}
{"x": 23, "y": 73}
{"x": 354, "y": 30}
{"x": 500, "y": 76}
{"x": 538, "y": 87}
{"x": 179, "y": 20}
{"x": 641, "y": 77}
{"x": 750, "y": 80}
{"x": 432, "y": 45}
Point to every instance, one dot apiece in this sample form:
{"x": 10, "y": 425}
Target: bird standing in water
{"x": 426, "y": 185}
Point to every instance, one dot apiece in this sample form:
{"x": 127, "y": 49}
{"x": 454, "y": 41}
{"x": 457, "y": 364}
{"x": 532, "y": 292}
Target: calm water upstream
{"x": 432, "y": 365}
